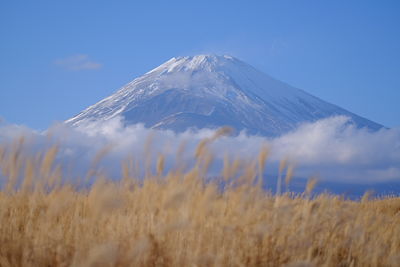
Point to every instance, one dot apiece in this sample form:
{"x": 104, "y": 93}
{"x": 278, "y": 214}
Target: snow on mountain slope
{"x": 209, "y": 91}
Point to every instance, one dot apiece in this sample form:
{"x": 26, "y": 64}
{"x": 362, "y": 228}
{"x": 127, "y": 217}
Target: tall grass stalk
{"x": 178, "y": 219}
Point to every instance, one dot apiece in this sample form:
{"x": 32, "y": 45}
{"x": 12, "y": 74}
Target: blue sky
{"x": 56, "y": 58}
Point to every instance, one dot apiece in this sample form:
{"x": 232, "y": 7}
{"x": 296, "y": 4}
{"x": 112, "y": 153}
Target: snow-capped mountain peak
{"x": 191, "y": 63}
{"x": 209, "y": 91}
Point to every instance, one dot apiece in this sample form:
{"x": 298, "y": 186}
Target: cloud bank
{"x": 78, "y": 62}
{"x": 331, "y": 148}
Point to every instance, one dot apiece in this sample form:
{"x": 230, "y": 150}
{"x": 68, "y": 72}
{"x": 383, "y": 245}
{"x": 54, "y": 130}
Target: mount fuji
{"x": 209, "y": 91}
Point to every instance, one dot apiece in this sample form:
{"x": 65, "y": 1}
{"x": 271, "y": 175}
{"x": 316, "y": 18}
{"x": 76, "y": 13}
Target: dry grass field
{"x": 178, "y": 219}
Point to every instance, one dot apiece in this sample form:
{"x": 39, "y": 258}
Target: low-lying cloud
{"x": 331, "y": 148}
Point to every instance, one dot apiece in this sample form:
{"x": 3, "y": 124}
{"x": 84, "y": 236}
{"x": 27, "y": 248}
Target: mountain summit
{"x": 209, "y": 91}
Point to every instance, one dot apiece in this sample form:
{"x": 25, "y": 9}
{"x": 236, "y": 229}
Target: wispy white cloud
{"x": 332, "y": 148}
{"x": 77, "y": 63}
